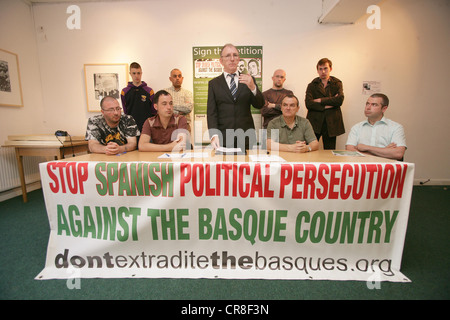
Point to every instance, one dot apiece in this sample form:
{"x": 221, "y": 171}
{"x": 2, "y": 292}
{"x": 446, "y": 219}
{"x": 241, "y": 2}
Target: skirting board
{"x": 432, "y": 182}
{"x": 9, "y": 194}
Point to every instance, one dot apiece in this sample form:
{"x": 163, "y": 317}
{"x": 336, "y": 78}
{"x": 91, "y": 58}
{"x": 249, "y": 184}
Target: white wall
{"x": 408, "y": 56}
{"x": 17, "y": 36}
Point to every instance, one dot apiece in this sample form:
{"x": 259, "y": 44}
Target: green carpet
{"x": 24, "y": 233}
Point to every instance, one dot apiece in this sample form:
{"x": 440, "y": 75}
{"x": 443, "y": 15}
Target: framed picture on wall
{"x": 104, "y": 80}
{"x": 10, "y": 86}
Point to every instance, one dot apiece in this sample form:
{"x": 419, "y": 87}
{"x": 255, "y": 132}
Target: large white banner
{"x": 339, "y": 221}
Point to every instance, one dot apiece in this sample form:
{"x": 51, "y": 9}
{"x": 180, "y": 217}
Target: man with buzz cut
{"x": 274, "y": 96}
{"x": 137, "y": 97}
{"x": 377, "y": 135}
{"x": 111, "y": 132}
{"x": 183, "y": 101}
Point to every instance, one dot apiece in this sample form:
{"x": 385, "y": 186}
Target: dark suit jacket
{"x": 317, "y": 113}
{"x": 225, "y": 113}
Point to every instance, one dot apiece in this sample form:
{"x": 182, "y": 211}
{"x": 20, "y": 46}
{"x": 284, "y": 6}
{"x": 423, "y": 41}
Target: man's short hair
{"x": 174, "y": 69}
{"x": 324, "y": 61}
{"x": 291, "y": 96}
{"x": 106, "y": 98}
{"x": 158, "y": 94}
{"x": 227, "y": 45}
{"x": 384, "y": 98}
{"x": 135, "y": 65}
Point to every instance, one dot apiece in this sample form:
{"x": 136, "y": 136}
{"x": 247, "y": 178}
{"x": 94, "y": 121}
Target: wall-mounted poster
{"x": 10, "y": 86}
{"x": 371, "y": 87}
{"x": 206, "y": 63}
{"x": 104, "y": 80}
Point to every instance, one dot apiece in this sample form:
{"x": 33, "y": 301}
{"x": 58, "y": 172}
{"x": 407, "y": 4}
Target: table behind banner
{"x": 45, "y": 146}
{"x": 314, "y": 216}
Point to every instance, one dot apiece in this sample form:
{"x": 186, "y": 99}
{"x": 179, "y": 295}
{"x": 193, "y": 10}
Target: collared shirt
{"x": 380, "y": 134}
{"x": 228, "y": 79}
{"x": 280, "y": 132}
{"x": 160, "y": 135}
{"x": 236, "y": 80}
{"x": 182, "y": 101}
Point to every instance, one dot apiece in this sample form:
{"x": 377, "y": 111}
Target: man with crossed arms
{"x": 377, "y": 135}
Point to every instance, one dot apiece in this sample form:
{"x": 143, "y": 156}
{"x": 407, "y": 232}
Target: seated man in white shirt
{"x": 377, "y": 135}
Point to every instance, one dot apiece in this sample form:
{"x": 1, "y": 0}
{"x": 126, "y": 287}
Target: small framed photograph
{"x": 104, "y": 80}
{"x": 10, "y": 86}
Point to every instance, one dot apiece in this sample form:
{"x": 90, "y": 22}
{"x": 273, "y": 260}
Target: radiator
{"x": 9, "y": 173}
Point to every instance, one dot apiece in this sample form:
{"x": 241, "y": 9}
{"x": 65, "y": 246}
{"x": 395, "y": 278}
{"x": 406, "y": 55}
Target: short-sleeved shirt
{"x": 98, "y": 129}
{"x": 160, "y": 135}
{"x": 302, "y": 131}
{"x": 380, "y": 134}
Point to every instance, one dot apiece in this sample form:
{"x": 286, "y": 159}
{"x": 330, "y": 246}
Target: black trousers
{"x": 329, "y": 143}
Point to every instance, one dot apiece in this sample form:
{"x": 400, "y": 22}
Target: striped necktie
{"x": 233, "y": 87}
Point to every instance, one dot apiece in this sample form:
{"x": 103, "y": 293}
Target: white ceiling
{"x": 31, "y": 2}
{"x": 335, "y": 11}
{"x": 65, "y": 1}
{"x": 56, "y": 1}
{"x": 344, "y": 11}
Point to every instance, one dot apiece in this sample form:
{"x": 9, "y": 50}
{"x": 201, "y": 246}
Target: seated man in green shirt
{"x": 290, "y": 132}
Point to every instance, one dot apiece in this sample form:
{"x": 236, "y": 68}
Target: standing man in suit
{"x": 230, "y": 96}
{"x": 324, "y": 97}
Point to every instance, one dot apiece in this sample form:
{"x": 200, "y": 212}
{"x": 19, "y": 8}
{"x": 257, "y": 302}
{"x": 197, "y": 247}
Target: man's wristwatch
{"x": 309, "y": 149}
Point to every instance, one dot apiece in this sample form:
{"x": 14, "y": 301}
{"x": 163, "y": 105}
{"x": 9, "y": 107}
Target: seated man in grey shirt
{"x": 290, "y": 132}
